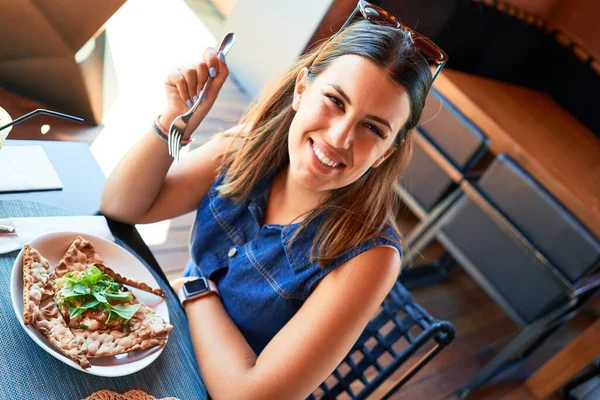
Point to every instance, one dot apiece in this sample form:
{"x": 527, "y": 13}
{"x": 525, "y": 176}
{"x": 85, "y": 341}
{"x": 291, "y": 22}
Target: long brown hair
{"x": 363, "y": 209}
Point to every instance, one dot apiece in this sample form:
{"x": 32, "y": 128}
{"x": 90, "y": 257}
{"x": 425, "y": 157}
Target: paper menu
{"x": 26, "y": 168}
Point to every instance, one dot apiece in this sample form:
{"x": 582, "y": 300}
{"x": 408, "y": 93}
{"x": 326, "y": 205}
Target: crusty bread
{"x": 126, "y": 281}
{"x": 131, "y": 395}
{"x": 106, "y": 342}
{"x": 51, "y": 324}
{"x": 36, "y": 272}
{"x": 146, "y": 328}
{"x": 78, "y": 257}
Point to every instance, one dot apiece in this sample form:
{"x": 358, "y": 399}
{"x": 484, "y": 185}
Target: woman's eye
{"x": 336, "y": 101}
{"x": 375, "y": 129}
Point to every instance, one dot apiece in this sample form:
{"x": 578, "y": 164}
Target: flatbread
{"x": 51, "y": 324}
{"x": 36, "y": 273}
{"x": 81, "y": 254}
{"x": 146, "y": 328}
{"x": 105, "y": 343}
{"x": 78, "y": 257}
{"x": 127, "y": 281}
{"x": 39, "y": 308}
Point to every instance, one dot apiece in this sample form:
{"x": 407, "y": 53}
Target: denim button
{"x": 232, "y": 252}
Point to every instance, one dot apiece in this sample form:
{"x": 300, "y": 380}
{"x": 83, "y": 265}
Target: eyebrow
{"x": 369, "y": 116}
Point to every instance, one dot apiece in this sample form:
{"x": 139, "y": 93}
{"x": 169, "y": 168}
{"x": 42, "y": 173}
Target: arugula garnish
{"x": 95, "y": 290}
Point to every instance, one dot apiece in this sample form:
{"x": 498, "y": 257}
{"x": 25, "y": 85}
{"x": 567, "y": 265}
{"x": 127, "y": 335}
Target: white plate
{"x": 53, "y": 246}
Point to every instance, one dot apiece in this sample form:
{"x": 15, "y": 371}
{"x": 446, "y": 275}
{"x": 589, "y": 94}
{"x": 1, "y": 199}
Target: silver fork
{"x": 180, "y": 123}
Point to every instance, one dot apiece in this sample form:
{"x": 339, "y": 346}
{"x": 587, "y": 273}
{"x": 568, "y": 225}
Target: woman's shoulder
{"x": 387, "y": 237}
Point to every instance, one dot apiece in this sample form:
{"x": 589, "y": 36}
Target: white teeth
{"x": 323, "y": 159}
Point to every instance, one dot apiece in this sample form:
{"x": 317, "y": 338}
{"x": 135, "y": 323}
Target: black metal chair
{"x": 400, "y": 330}
{"x": 445, "y": 138}
{"x": 447, "y": 149}
{"x": 524, "y": 249}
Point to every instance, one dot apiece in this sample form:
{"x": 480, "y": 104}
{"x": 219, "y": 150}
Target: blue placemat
{"x": 29, "y": 372}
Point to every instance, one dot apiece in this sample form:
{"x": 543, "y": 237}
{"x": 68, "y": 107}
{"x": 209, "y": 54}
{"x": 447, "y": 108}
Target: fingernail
{"x": 195, "y": 99}
{"x": 222, "y": 57}
{"x": 213, "y": 72}
{"x": 188, "y": 102}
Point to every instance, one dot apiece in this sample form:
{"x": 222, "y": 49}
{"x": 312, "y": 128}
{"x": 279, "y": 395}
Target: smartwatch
{"x": 195, "y": 289}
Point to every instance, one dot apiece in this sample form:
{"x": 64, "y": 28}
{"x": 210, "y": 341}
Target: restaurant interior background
{"x": 502, "y": 198}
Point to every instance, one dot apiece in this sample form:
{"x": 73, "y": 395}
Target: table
{"x": 542, "y": 137}
{"x": 28, "y": 372}
{"x": 77, "y": 168}
{"x": 83, "y": 182}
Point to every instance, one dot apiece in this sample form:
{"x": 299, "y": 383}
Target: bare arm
{"x": 140, "y": 190}
{"x": 145, "y": 186}
{"x": 307, "y": 349}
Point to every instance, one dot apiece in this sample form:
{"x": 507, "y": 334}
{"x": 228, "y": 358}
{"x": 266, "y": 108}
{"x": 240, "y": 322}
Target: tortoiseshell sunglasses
{"x": 379, "y": 16}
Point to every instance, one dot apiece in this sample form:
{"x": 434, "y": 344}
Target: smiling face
{"x": 346, "y": 122}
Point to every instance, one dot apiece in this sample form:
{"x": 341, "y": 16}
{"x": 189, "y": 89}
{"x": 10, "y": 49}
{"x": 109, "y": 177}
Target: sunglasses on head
{"x": 379, "y": 16}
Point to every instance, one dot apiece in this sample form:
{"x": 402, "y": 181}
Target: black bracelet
{"x": 158, "y": 133}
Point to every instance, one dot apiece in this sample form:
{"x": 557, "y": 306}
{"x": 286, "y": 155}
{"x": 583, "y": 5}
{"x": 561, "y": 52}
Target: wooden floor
{"x": 482, "y": 328}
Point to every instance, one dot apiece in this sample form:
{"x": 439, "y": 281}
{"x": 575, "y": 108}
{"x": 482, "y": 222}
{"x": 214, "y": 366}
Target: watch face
{"x": 195, "y": 287}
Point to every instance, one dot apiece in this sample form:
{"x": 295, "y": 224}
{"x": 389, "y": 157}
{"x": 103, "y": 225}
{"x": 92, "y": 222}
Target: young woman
{"x": 295, "y": 208}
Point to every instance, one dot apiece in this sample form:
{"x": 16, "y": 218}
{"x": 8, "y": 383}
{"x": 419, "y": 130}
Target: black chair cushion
{"x": 425, "y": 180}
{"x": 529, "y": 288}
{"x": 546, "y": 223}
{"x": 451, "y": 132}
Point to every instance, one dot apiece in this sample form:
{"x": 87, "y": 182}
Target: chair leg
{"x": 427, "y": 232}
{"x": 540, "y": 330}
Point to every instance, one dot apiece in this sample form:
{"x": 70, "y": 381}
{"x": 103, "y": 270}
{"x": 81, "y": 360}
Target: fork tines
{"x": 174, "y": 142}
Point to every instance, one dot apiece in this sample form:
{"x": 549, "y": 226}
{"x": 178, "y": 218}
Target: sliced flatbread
{"x": 127, "y": 281}
{"x": 105, "y": 343}
{"x": 39, "y": 308}
{"x": 51, "y": 324}
{"x": 146, "y": 328}
{"x": 36, "y": 274}
{"x": 78, "y": 257}
{"x": 81, "y": 254}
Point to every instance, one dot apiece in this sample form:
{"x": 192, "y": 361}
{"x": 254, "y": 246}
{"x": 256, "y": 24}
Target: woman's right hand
{"x": 184, "y": 84}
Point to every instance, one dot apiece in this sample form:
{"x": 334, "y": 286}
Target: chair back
{"x": 520, "y": 244}
{"x": 457, "y": 138}
{"x": 551, "y": 228}
{"x": 454, "y": 138}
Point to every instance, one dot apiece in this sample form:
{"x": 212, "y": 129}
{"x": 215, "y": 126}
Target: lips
{"x": 326, "y": 156}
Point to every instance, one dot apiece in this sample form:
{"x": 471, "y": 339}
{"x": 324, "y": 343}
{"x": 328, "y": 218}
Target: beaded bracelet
{"x": 162, "y": 133}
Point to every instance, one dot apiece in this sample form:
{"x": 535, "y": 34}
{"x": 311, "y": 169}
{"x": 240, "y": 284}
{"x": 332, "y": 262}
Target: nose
{"x": 341, "y": 134}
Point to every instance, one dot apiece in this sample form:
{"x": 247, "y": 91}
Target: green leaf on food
{"x": 77, "y": 311}
{"x": 100, "y": 297}
{"x": 81, "y": 289}
{"x": 93, "y": 289}
{"x": 125, "y": 311}
{"x": 92, "y": 275}
{"x": 118, "y": 296}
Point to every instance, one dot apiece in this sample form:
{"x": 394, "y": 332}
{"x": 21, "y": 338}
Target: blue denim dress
{"x": 262, "y": 284}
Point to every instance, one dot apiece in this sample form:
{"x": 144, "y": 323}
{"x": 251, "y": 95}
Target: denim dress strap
{"x": 387, "y": 238}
